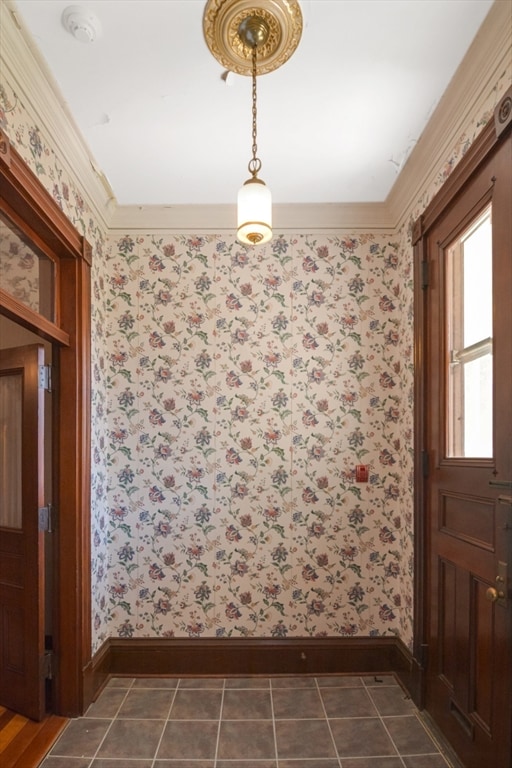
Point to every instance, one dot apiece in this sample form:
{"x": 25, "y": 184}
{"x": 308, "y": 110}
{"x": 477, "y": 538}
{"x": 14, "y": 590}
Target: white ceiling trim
{"x": 319, "y": 217}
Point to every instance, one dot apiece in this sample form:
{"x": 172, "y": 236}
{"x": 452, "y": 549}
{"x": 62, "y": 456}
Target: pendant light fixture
{"x": 254, "y": 198}
{"x": 253, "y": 38}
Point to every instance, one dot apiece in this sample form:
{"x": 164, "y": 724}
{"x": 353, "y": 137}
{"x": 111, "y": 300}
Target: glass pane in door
{"x": 470, "y": 341}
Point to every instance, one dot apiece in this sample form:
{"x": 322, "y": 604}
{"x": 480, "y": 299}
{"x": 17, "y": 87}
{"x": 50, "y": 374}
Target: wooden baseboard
{"x": 416, "y": 686}
{"x": 403, "y": 665}
{"x": 95, "y": 675}
{"x": 246, "y": 657}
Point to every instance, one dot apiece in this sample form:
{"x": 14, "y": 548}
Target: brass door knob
{"x": 493, "y": 595}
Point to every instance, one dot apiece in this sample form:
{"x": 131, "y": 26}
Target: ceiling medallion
{"x": 221, "y": 24}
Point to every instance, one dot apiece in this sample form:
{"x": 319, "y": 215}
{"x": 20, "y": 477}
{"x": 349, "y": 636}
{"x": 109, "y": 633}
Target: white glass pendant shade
{"x": 254, "y": 213}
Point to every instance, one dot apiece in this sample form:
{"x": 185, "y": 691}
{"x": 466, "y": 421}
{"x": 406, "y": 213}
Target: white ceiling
{"x": 335, "y": 123}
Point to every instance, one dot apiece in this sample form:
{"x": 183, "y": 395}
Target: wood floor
{"x": 24, "y": 743}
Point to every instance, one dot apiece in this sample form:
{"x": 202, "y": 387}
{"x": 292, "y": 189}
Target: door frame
{"x": 496, "y": 131}
{"x": 27, "y": 203}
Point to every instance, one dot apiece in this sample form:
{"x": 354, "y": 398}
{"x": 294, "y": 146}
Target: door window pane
{"x": 25, "y": 271}
{"x": 470, "y": 333}
{"x": 10, "y": 450}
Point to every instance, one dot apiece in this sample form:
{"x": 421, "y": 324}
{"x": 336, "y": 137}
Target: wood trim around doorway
{"x": 479, "y": 152}
{"x": 24, "y": 199}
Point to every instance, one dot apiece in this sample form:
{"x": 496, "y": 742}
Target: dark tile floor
{"x": 279, "y": 722}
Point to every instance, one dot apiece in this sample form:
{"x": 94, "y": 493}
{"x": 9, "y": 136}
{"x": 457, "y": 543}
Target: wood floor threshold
{"x": 23, "y": 742}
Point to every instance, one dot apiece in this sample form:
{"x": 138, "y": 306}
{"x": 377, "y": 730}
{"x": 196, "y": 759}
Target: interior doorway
{"x": 45, "y": 286}
{"x": 26, "y": 575}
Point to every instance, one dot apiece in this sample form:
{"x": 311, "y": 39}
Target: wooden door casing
{"x": 28, "y": 204}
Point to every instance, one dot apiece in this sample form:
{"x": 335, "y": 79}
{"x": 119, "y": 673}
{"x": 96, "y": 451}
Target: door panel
{"x": 468, "y": 441}
{"x": 22, "y": 685}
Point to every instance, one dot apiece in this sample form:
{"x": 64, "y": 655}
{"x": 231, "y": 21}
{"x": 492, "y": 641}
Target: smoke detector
{"x": 81, "y": 23}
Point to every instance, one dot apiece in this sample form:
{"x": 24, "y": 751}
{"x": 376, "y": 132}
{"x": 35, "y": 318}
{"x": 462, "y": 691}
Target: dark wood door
{"x": 468, "y": 489}
{"x": 22, "y": 683}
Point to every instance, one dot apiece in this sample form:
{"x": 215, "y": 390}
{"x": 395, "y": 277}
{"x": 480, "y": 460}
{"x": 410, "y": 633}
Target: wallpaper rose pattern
{"x": 233, "y": 392}
{"x": 244, "y": 386}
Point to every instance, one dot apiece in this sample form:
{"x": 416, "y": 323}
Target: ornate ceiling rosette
{"x": 222, "y": 21}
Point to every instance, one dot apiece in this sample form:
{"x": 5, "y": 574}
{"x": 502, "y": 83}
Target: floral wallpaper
{"x": 234, "y": 391}
{"x": 244, "y": 385}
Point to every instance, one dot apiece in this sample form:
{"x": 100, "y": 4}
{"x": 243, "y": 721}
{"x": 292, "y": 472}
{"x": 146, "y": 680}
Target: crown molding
{"x": 222, "y": 218}
{"x": 41, "y": 96}
{"x": 487, "y": 59}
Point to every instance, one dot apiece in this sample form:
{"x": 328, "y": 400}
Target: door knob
{"x": 493, "y": 595}
{"x": 498, "y": 594}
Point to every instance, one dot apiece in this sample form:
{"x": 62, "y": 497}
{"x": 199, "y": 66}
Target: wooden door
{"x": 468, "y": 465}
{"x": 22, "y": 680}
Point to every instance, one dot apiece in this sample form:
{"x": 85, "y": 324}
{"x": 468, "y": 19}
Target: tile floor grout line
{"x": 432, "y": 738}
{"x": 383, "y": 724}
{"x": 274, "y": 729}
{"x": 272, "y": 688}
{"x": 327, "y": 721}
{"x": 165, "y": 724}
{"x": 381, "y": 718}
{"x": 370, "y": 698}
{"x": 216, "y": 756}
{"x": 93, "y": 758}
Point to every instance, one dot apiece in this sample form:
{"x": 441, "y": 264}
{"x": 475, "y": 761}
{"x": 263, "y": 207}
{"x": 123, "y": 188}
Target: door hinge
{"x": 423, "y": 655}
{"x": 46, "y": 518}
{"x": 47, "y": 665}
{"x": 424, "y": 463}
{"x": 45, "y": 377}
{"x": 424, "y": 274}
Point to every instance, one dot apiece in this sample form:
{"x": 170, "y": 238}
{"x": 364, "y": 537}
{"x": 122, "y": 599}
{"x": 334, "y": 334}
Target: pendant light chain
{"x": 255, "y": 162}
{"x": 254, "y": 209}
